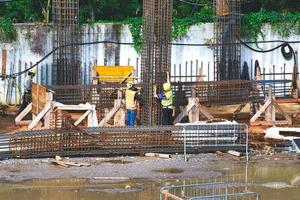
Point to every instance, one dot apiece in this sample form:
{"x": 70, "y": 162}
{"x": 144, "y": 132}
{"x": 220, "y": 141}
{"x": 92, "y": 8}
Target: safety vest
{"x": 168, "y": 102}
{"x": 130, "y": 102}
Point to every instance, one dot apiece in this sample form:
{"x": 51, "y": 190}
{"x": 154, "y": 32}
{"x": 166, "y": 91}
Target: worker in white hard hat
{"x": 166, "y": 98}
{"x": 27, "y": 90}
{"x": 132, "y": 98}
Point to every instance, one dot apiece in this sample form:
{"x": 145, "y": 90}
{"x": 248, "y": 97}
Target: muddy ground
{"x": 198, "y": 166}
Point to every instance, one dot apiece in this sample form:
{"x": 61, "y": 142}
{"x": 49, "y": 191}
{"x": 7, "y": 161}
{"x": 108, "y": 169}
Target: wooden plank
{"x": 109, "y": 115}
{"x": 234, "y": 153}
{"x": 261, "y": 110}
{"x": 185, "y": 112}
{"x": 172, "y": 196}
{"x": 39, "y": 116}
{"x": 4, "y": 55}
{"x": 82, "y": 118}
{"x": 18, "y": 119}
{"x": 205, "y": 112}
{"x": 39, "y": 98}
{"x": 159, "y": 155}
{"x": 285, "y": 115}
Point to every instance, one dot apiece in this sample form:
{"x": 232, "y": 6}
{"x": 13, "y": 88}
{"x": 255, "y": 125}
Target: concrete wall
{"x": 34, "y": 41}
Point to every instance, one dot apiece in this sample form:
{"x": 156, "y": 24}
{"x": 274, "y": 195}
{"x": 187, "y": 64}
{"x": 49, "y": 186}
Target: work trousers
{"x": 167, "y": 116}
{"x": 130, "y": 117}
{"x": 25, "y": 102}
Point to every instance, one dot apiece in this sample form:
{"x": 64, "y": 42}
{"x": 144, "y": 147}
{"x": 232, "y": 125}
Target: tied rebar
{"x": 156, "y": 55}
{"x": 124, "y": 141}
{"x": 66, "y": 65}
{"x": 227, "y": 52}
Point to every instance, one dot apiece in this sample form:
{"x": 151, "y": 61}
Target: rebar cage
{"x": 124, "y": 141}
{"x": 156, "y": 54}
{"x": 66, "y": 64}
{"x": 211, "y": 92}
{"x": 227, "y": 52}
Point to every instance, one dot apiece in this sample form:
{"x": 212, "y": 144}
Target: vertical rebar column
{"x": 66, "y": 65}
{"x": 156, "y": 55}
{"x": 227, "y": 52}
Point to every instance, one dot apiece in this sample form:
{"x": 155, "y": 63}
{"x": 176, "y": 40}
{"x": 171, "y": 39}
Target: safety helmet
{"x": 32, "y": 72}
{"x": 129, "y": 85}
{"x": 167, "y": 87}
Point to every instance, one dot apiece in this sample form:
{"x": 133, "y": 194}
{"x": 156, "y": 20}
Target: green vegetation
{"x": 7, "y": 32}
{"x": 282, "y": 15}
{"x": 283, "y": 23}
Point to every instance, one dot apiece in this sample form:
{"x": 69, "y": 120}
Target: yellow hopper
{"x": 114, "y": 73}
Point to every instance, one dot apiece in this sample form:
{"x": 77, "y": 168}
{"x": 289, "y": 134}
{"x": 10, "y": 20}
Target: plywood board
{"x": 38, "y": 98}
{"x": 3, "y": 64}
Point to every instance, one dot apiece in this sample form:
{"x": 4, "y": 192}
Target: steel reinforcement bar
{"x": 214, "y": 92}
{"x": 124, "y": 141}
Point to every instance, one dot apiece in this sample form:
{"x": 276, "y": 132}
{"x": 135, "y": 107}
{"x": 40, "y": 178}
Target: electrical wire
{"x": 173, "y": 44}
{"x": 283, "y": 45}
{"x": 192, "y": 3}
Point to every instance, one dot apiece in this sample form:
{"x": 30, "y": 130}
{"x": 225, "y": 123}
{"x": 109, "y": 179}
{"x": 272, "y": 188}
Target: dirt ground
{"x": 198, "y": 166}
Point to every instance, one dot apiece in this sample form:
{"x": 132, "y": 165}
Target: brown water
{"x": 276, "y": 182}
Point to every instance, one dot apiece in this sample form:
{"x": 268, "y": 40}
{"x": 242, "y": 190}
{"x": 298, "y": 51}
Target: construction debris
{"x": 159, "y": 155}
{"x": 59, "y": 161}
{"x": 280, "y": 133}
{"x": 234, "y": 153}
{"x": 112, "y": 178}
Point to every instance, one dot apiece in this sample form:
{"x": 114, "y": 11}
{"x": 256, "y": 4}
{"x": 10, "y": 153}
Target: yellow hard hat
{"x": 167, "y": 87}
{"x": 129, "y": 85}
{"x": 32, "y": 71}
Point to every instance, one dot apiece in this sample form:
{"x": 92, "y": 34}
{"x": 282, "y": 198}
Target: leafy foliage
{"x": 7, "y": 31}
{"x": 283, "y": 23}
{"x": 282, "y": 15}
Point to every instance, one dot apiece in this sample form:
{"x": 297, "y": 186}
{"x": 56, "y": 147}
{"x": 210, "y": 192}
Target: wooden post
{"x": 270, "y": 110}
{"x": 4, "y": 53}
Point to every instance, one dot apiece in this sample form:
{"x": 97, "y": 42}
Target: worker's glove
{"x": 161, "y": 96}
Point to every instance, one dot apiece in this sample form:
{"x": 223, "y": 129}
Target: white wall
{"x": 36, "y": 37}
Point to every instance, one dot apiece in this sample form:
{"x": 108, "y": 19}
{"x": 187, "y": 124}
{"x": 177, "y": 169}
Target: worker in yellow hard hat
{"x": 27, "y": 90}
{"x": 132, "y": 97}
{"x": 166, "y": 98}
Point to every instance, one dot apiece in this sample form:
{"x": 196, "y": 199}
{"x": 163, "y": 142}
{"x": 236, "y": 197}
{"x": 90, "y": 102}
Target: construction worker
{"x": 132, "y": 96}
{"x": 27, "y": 90}
{"x": 166, "y": 98}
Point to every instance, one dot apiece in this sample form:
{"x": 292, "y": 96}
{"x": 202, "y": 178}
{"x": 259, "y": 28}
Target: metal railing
{"x": 215, "y": 191}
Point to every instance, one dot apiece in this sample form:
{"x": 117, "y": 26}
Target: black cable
{"x": 282, "y": 46}
{"x": 192, "y": 3}
{"x": 173, "y": 44}
{"x": 64, "y": 46}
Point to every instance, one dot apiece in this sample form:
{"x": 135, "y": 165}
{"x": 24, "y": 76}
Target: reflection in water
{"x": 278, "y": 182}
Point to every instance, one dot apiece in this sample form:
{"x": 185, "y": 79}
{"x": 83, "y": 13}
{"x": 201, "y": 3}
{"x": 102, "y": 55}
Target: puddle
{"x": 114, "y": 161}
{"x": 170, "y": 170}
{"x": 274, "y": 182}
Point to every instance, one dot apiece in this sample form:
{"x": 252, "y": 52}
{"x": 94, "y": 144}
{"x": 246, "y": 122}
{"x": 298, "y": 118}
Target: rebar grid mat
{"x": 227, "y": 52}
{"x": 217, "y": 92}
{"x": 66, "y": 65}
{"x": 156, "y": 54}
{"x": 124, "y": 141}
